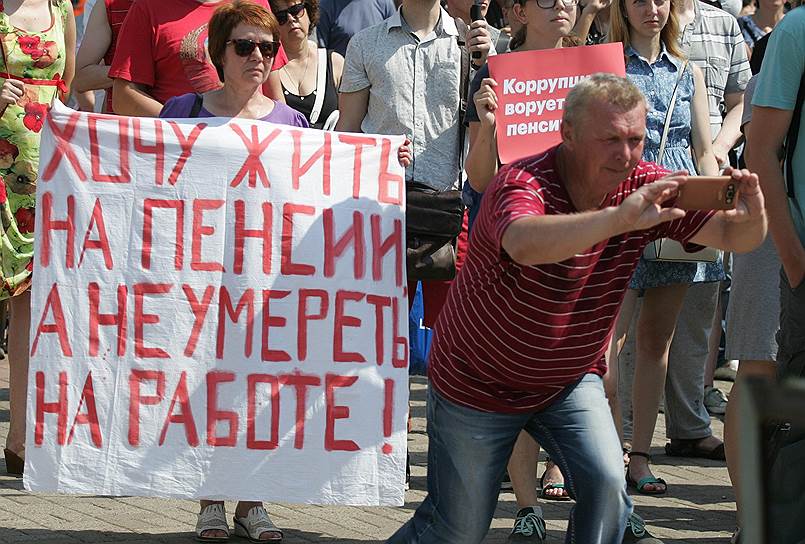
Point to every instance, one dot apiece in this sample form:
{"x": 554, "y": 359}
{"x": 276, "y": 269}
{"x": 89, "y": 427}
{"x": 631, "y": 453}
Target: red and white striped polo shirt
{"x": 510, "y": 338}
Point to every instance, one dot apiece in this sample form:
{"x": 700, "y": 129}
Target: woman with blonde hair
{"x": 649, "y": 31}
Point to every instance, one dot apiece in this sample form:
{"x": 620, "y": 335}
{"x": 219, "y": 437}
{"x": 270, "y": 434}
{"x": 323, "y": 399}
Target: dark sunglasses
{"x": 295, "y": 10}
{"x": 244, "y": 48}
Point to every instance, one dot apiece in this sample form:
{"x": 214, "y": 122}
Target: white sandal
{"x": 255, "y": 524}
{"x": 212, "y": 518}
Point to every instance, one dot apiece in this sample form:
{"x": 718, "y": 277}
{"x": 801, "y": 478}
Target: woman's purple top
{"x": 180, "y": 107}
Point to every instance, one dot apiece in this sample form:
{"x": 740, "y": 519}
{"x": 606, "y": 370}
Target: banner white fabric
{"x": 219, "y": 311}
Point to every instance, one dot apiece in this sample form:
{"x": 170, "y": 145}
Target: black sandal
{"x": 640, "y": 485}
{"x": 679, "y": 447}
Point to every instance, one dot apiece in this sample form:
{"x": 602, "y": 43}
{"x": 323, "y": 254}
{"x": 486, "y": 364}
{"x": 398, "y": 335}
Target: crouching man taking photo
{"x": 520, "y": 343}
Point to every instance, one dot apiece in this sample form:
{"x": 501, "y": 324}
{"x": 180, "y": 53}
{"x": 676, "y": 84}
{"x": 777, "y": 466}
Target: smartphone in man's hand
{"x": 707, "y": 193}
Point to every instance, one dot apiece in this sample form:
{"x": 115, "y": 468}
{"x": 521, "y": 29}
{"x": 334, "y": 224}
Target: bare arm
{"x": 85, "y": 100}
{"x": 91, "y": 73}
{"x": 482, "y": 160}
{"x": 764, "y": 144}
{"x": 730, "y": 131}
{"x": 481, "y": 164}
{"x": 584, "y": 23}
{"x": 742, "y": 229}
{"x": 587, "y": 17}
{"x": 700, "y": 127}
{"x": 69, "y": 44}
{"x": 132, "y": 99}
{"x": 554, "y": 238}
{"x": 272, "y": 88}
{"x": 353, "y": 108}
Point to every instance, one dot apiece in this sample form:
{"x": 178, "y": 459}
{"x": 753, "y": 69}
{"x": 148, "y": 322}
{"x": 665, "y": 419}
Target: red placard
{"x": 531, "y": 91}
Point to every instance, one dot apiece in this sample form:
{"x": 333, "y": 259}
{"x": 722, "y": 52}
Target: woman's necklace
{"x": 304, "y": 72}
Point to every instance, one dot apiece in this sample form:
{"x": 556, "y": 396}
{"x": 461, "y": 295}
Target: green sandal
{"x": 641, "y": 484}
{"x": 552, "y": 485}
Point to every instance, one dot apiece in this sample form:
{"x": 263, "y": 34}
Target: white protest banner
{"x": 219, "y": 311}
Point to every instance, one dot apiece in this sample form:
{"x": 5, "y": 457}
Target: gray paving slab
{"x": 699, "y": 507}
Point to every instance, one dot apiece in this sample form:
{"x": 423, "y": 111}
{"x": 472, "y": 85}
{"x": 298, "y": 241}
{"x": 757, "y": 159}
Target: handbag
{"x": 666, "y": 249}
{"x": 434, "y": 218}
{"x": 433, "y": 221}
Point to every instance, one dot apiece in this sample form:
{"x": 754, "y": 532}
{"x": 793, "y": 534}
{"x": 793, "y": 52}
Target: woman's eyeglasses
{"x": 550, "y": 4}
{"x": 296, "y": 10}
{"x": 244, "y": 48}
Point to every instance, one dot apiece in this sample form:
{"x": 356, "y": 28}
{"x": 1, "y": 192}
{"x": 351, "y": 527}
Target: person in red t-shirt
{"x": 162, "y": 53}
{"x": 520, "y": 342}
{"x": 97, "y": 49}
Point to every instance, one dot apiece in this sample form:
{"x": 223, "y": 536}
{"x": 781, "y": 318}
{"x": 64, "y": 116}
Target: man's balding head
{"x": 607, "y": 90}
{"x": 603, "y": 130}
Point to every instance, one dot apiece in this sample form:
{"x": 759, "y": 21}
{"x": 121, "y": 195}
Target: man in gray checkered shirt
{"x": 402, "y": 76}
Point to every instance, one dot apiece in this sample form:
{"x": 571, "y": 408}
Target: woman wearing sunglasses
{"x": 243, "y": 40}
{"x": 312, "y": 75}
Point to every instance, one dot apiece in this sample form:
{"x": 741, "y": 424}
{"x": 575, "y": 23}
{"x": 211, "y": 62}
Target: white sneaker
{"x": 715, "y": 401}
{"x": 255, "y": 524}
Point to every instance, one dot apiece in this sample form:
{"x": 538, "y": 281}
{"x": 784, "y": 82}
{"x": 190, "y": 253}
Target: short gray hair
{"x": 601, "y": 87}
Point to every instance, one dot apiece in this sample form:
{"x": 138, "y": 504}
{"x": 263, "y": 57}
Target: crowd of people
{"x": 552, "y": 278}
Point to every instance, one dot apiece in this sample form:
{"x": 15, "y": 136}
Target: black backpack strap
{"x": 463, "y": 90}
{"x": 791, "y": 139}
{"x": 464, "y": 75}
{"x": 197, "y": 103}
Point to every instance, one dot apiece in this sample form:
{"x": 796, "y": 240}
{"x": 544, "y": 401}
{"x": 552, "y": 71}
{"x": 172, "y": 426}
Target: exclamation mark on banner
{"x": 388, "y": 411}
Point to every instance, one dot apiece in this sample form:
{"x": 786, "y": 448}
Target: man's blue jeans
{"x": 467, "y": 455}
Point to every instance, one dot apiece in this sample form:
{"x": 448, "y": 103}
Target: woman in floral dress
{"x": 36, "y": 64}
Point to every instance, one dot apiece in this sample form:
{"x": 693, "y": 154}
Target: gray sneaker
{"x": 529, "y": 526}
{"x": 715, "y": 401}
{"x": 636, "y": 532}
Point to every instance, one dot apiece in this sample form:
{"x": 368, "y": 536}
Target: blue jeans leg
{"x": 578, "y": 433}
{"x": 467, "y": 455}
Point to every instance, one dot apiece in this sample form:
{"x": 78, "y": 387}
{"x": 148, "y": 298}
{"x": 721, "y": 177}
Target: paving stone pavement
{"x": 698, "y": 508}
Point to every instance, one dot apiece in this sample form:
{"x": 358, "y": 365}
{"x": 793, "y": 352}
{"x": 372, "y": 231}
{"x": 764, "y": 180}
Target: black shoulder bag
{"x": 434, "y": 218}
